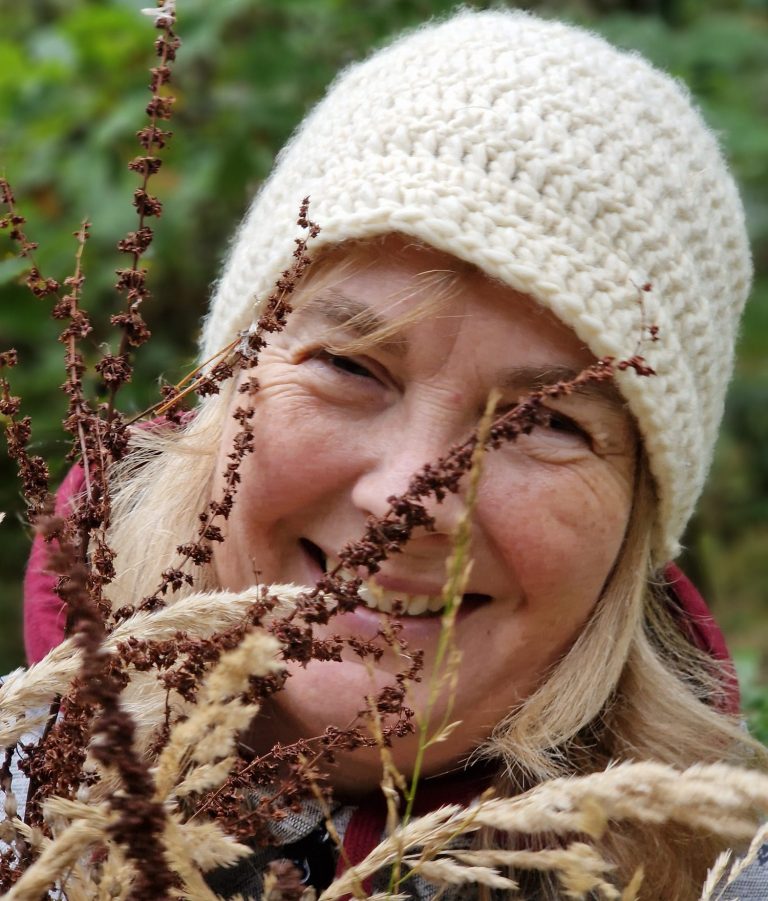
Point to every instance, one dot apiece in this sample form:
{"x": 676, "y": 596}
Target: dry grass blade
{"x": 726, "y": 870}
{"x": 580, "y": 868}
{"x": 418, "y": 832}
{"x": 210, "y": 732}
{"x": 14, "y": 828}
{"x": 449, "y": 872}
{"x": 632, "y": 891}
{"x": 209, "y": 847}
{"x": 199, "y": 753}
{"x": 199, "y": 616}
{"x": 388, "y": 896}
{"x": 58, "y": 857}
{"x": 64, "y": 810}
{"x": 204, "y": 777}
{"x": 191, "y": 848}
{"x": 179, "y": 856}
{"x": 716, "y": 877}
{"x": 443, "y": 679}
{"x": 717, "y": 797}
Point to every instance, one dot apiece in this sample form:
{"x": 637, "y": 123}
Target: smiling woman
{"x": 389, "y": 409}
{"x": 504, "y": 202}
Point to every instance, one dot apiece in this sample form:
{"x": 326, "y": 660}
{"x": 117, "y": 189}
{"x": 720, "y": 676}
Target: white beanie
{"x": 571, "y": 171}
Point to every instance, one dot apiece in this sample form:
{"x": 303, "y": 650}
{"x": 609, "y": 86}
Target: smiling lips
{"x": 376, "y": 597}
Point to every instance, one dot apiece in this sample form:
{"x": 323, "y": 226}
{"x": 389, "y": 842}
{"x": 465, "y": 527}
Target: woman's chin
{"x": 329, "y": 694}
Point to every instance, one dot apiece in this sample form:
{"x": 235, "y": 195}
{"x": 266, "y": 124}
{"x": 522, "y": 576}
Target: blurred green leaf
{"x": 11, "y": 268}
{"x": 754, "y": 692}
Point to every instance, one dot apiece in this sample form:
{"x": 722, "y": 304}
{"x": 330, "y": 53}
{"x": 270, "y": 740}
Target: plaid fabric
{"x": 751, "y": 884}
{"x": 246, "y": 878}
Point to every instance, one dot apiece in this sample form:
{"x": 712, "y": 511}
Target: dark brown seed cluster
{"x": 33, "y": 470}
{"x": 78, "y": 552}
{"x": 115, "y": 370}
{"x": 243, "y": 354}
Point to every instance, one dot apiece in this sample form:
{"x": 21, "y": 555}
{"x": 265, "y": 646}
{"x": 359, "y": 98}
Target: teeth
{"x": 417, "y": 605}
{"x": 414, "y": 605}
{"x": 383, "y": 599}
{"x": 367, "y": 596}
{"x": 435, "y": 604}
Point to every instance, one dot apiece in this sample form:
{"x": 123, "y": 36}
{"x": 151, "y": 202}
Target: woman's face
{"x": 339, "y": 434}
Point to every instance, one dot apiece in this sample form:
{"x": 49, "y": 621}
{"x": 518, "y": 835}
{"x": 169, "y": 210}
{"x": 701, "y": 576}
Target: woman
{"x": 503, "y": 200}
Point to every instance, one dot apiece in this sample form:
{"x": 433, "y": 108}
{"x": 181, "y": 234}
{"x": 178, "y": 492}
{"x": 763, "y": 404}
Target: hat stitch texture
{"x": 572, "y": 171}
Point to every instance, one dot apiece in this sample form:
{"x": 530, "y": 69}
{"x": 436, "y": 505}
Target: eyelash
{"x": 568, "y": 429}
{"x": 564, "y": 423}
{"x": 558, "y": 422}
{"x": 343, "y": 364}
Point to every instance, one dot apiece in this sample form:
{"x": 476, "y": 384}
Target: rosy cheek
{"x": 556, "y": 535}
{"x": 299, "y": 458}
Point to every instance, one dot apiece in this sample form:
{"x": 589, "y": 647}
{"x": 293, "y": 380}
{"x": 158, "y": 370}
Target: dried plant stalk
{"x": 209, "y": 734}
{"x": 717, "y": 798}
{"x": 58, "y": 857}
{"x": 206, "y": 737}
{"x": 726, "y": 870}
{"x": 200, "y": 615}
{"x": 445, "y": 668}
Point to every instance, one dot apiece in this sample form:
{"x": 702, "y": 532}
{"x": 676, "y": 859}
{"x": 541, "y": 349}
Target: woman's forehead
{"x": 395, "y": 247}
{"x": 378, "y": 279}
{"x": 367, "y": 287}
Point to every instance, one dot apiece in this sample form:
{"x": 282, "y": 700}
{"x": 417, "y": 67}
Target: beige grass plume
{"x": 197, "y": 757}
{"x": 718, "y": 798}
{"x": 199, "y": 616}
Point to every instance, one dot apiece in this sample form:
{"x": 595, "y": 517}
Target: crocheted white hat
{"x": 572, "y": 171}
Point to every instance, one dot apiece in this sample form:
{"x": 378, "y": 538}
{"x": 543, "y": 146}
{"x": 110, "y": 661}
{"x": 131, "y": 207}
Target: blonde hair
{"x": 631, "y": 687}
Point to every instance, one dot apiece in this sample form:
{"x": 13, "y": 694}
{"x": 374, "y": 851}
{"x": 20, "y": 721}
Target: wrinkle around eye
{"x": 560, "y": 427}
{"x": 323, "y": 375}
{"x": 554, "y": 447}
{"x": 353, "y": 370}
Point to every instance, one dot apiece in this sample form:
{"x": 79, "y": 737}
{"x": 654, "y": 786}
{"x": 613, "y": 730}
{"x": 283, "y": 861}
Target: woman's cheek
{"x": 300, "y": 450}
{"x": 558, "y": 529}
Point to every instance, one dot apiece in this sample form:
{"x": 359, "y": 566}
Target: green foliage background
{"x": 73, "y": 77}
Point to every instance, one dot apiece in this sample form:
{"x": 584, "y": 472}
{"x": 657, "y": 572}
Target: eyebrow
{"x": 531, "y": 378}
{"x": 356, "y": 318}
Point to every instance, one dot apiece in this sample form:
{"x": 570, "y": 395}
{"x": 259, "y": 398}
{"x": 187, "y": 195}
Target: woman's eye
{"x": 558, "y": 422}
{"x": 564, "y": 425}
{"x": 348, "y": 365}
{"x": 558, "y": 426}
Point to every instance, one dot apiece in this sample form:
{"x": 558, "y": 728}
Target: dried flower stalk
{"x": 717, "y": 798}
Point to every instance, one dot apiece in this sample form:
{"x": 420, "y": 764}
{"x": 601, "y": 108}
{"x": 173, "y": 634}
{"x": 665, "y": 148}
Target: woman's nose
{"x": 390, "y": 474}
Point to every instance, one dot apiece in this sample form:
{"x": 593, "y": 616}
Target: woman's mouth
{"x": 376, "y": 596}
